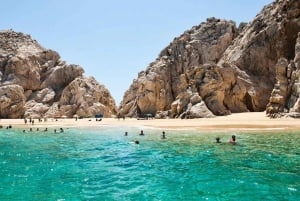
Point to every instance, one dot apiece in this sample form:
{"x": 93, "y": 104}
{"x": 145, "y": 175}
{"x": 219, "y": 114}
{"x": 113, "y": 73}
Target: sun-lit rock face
{"x": 173, "y": 80}
{"x": 229, "y": 69}
{"x": 33, "y": 82}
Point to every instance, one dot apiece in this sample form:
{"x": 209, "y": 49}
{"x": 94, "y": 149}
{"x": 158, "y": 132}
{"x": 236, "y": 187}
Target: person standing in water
{"x": 163, "y": 136}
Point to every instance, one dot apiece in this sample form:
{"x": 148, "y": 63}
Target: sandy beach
{"x": 240, "y": 122}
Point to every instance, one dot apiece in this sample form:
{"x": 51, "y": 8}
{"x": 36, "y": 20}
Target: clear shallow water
{"x": 102, "y": 164}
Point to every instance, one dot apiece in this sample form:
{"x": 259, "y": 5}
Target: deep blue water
{"x": 102, "y": 164}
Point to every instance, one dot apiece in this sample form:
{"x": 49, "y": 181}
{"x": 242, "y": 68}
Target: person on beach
{"x": 163, "y": 136}
{"x": 142, "y": 132}
{"x": 233, "y": 140}
{"x": 218, "y": 140}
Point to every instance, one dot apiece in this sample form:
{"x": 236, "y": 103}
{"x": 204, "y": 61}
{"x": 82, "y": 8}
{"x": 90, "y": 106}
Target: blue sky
{"x": 113, "y": 40}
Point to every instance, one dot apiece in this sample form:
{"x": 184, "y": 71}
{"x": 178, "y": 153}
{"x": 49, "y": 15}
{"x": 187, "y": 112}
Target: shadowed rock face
{"x": 35, "y": 82}
{"x": 228, "y": 69}
{"x": 285, "y": 95}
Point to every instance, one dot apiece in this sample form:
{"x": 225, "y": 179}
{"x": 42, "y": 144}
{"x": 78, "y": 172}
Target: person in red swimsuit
{"x": 233, "y": 140}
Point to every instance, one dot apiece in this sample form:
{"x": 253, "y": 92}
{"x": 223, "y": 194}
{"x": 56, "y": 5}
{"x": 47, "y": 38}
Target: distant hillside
{"x": 34, "y": 82}
{"x": 216, "y": 68}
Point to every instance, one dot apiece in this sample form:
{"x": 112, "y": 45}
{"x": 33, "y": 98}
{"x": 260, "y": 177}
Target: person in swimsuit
{"x": 163, "y": 136}
{"x": 233, "y": 140}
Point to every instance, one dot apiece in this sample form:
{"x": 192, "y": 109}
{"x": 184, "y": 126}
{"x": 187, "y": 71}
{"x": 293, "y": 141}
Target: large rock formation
{"x": 218, "y": 66}
{"x": 172, "y": 83}
{"x": 285, "y": 97}
{"x": 35, "y": 82}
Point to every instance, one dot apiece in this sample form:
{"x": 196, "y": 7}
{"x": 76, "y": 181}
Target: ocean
{"x": 101, "y": 163}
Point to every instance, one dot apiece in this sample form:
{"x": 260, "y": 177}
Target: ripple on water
{"x": 102, "y": 164}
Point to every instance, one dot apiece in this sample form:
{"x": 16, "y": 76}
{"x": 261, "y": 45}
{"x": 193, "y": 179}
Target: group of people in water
{"x": 61, "y": 130}
{"x": 7, "y": 127}
{"x": 31, "y": 121}
{"x": 232, "y": 140}
{"x": 163, "y": 136}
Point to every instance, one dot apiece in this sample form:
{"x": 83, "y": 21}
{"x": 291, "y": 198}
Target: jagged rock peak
{"x": 271, "y": 35}
{"x": 170, "y": 81}
{"x": 12, "y": 43}
{"x": 34, "y": 83}
{"x": 206, "y": 34}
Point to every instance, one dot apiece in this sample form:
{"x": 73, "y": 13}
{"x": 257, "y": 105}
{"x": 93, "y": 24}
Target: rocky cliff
{"x": 285, "y": 97}
{"x": 216, "y": 68}
{"x": 34, "y": 82}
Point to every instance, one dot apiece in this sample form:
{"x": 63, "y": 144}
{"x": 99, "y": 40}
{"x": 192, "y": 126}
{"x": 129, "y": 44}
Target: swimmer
{"x": 135, "y": 142}
{"x": 218, "y": 140}
{"x": 142, "y": 132}
{"x": 61, "y": 130}
{"x": 126, "y": 133}
{"x": 163, "y": 136}
{"x": 232, "y": 140}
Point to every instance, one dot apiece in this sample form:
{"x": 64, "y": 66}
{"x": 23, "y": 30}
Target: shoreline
{"x": 250, "y": 121}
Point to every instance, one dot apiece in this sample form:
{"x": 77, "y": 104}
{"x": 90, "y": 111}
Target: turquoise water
{"x": 102, "y": 164}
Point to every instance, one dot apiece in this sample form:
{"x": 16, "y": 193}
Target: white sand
{"x": 238, "y": 121}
